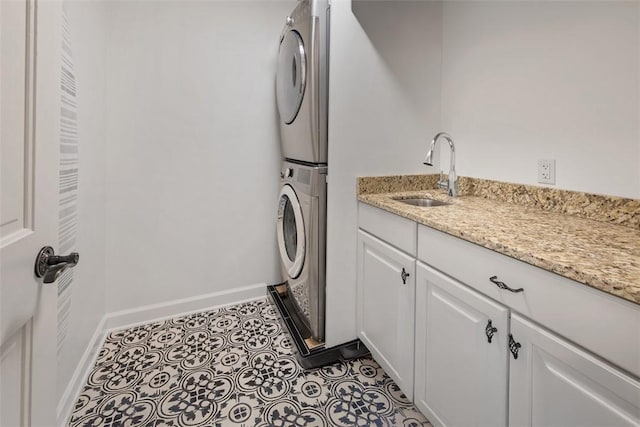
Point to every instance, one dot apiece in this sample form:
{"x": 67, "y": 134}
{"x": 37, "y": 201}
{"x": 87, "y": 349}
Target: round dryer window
{"x": 291, "y": 240}
{"x": 291, "y": 76}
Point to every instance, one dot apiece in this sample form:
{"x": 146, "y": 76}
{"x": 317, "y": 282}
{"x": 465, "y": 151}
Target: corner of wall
{"x": 142, "y": 315}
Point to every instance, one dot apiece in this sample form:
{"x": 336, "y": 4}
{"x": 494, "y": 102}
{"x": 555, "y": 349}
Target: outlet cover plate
{"x": 546, "y": 171}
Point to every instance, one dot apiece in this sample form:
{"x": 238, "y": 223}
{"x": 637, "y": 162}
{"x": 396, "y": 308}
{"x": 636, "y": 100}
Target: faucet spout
{"x": 451, "y": 185}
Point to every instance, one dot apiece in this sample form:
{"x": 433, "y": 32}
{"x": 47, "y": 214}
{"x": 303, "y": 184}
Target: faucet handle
{"x": 442, "y": 182}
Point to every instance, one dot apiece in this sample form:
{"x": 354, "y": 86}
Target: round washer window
{"x": 291, "y": 239}
{"x": 290, "y": 230}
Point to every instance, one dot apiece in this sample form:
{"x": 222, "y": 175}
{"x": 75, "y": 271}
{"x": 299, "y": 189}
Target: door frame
{"x": 43, "y": 408}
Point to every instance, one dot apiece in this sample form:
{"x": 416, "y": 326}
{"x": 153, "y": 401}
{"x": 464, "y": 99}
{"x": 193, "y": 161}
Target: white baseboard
{"x": 167, "y": 310}
{"x": 79, "y": 377}
{"x": 150, "y": 313}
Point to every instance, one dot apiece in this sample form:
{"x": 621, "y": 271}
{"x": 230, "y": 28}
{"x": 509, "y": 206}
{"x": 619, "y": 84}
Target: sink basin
{"x": 423, "y": 202}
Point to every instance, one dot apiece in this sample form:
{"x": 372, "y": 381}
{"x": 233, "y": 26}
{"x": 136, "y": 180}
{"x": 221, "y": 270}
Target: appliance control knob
{"x": 290, "y": 21}
{"x": 287, "y": 173}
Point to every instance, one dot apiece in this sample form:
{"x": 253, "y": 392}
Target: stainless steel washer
{"x": 302, "y": 82}
{"x": 301, "y": 235}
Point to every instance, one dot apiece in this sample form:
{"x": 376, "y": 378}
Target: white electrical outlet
{"x": 547, "y": 171}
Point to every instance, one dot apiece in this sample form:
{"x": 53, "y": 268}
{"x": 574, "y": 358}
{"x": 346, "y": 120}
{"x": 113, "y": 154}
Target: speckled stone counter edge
{"x": 599, "y": 254}
{"x": 609, "y": 209}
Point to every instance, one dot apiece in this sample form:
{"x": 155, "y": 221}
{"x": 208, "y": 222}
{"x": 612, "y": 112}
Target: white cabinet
{"x": 385, "y": 313}
{"x": 579, "y": 349}
{"x": 554, "y": 383}
{"x": 461, "y": 378}
{"x": 461, "y": 353}
{"x": 601, "y": 323}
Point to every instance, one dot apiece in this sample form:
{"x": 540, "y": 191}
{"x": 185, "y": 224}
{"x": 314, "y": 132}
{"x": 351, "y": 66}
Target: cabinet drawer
{"x": 604, "y": 324}
{"x": 396, "y": 230}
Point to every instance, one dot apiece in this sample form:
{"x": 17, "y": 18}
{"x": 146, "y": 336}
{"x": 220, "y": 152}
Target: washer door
{"x": 291, "y": 77}
{"x": 291, "y": 239}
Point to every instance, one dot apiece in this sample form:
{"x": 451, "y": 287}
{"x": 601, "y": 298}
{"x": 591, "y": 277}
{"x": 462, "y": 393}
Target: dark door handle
{"x": 490, "y": 330}
{"x": 514, "y": 346}
{"x": 50, "y": 266}
{"x": 404, "y": 276}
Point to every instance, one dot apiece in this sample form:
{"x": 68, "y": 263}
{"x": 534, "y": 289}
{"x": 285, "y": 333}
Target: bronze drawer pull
{"x": 502, "y": 285}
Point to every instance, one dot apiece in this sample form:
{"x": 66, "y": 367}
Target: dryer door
{"x": 291, "y": 237}
{"x": 291, "y": 77}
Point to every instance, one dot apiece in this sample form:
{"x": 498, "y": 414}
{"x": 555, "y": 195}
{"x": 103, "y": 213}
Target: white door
{"x": 554, "y": 383}
{"x": 385, "y": 295}
{"x": 29, "y": 144}
{"x": 461, "y": 353}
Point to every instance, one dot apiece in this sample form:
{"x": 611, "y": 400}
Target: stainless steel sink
{"x": 424, "y": 202}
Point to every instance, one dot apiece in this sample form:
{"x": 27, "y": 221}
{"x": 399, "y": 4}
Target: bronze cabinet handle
{"x": 502, "y": 285}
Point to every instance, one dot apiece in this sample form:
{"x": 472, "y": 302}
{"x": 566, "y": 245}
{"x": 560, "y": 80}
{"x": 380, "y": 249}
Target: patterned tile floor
{"x": 232, "y": 366}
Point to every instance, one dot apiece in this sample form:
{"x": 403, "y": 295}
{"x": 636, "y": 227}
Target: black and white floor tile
{"x": 232, "y": 366}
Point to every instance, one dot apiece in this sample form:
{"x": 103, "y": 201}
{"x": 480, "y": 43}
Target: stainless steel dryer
{"x": 301, "y": 235}
{"x": 302, "y": 82}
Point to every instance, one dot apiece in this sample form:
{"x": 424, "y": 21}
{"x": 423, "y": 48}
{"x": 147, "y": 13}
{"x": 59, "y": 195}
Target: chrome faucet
{"x": 451, "y": 184}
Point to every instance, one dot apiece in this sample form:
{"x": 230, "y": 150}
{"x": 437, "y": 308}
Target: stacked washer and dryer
{"x": 301, "y": 95}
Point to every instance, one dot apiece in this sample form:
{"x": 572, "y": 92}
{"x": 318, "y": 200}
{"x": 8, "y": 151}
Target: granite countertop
{"x": 597, "y": 253}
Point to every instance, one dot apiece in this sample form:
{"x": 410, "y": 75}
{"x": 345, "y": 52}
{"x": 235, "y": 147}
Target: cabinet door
{"x": 461, "y": 377}
{"x": 554, "y": 383}
{"x": 385, "y": 314}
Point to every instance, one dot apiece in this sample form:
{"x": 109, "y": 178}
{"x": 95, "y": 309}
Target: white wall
{"x": 384, "y": 105}
{"x": 524, "y": 81}
{"x": 515, "y": 81}
{"x": 88, "y": 36}
{"x": 193, "y": 156}
{"x": 188, "y": 176}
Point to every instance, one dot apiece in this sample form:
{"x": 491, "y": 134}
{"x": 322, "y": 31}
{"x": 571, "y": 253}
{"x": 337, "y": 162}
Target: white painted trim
{"x": 150, "y": 313}
{"x": 166, "y": 310}
{"x": 79, "y": 377}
